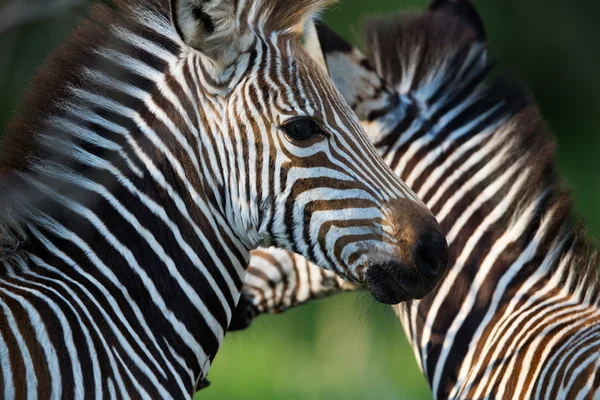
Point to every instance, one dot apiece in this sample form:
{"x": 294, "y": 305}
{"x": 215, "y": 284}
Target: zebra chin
{"x": 391, "y": 281}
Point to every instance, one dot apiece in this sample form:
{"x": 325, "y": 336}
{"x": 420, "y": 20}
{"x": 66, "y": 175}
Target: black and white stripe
{"x": 517, "y": 314}
{"x": 143, "y": 169}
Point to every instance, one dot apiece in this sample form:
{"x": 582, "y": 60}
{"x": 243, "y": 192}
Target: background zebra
{"x": 517, "y": 314}
{"x": 160, "y": 145}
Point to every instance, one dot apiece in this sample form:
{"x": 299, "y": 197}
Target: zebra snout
{"x": 392, "y": 282}
{"x": 419, "y": 263}
{"x": 384, "y": 282}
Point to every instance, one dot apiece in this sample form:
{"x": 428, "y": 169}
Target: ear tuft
{"x": 462, "y": 10}
{"x": 208, "y": 26}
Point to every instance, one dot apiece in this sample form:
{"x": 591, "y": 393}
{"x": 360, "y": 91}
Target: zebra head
{"x": 292, "y": 165}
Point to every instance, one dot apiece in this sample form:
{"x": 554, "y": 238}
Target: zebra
{"x": 164, "y": 141}
{"x": 516, "y": 315}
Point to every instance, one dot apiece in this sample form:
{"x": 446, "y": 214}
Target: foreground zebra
{"x": 159, "y": 146}
{"x": 517, "y": 315}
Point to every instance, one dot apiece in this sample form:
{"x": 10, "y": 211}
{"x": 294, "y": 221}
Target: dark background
{"x": 349, "y": 347}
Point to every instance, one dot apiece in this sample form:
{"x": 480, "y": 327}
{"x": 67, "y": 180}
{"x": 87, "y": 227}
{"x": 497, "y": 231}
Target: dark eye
{"x": 302, "y": 128}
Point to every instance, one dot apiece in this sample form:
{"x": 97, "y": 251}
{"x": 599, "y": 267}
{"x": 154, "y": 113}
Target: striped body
{"x": 159, "y": 146}
{"x": 517, "y": 314}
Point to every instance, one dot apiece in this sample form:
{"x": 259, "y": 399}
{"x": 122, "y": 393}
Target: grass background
{"x": 348, "y": 347}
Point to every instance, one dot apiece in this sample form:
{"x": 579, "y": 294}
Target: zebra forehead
{"x": 274, "y": 15}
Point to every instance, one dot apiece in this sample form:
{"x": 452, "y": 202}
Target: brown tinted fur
{"x": 286, "y": 13}
{"x": 433, "y": 34}
{"x": 438, "y": 36}
{"x": 58, "y": 74}
{"x": 219, "y": 33}
{"x": 61, "y": 72}
{"x": 20, "y": 146}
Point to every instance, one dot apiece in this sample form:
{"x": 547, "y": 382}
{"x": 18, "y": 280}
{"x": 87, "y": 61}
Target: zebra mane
{"x": 51, "y": 91}
{"x": 443, "y": 53}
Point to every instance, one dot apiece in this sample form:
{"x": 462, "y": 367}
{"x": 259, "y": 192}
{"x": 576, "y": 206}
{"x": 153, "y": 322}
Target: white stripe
{"x": 78, "y": 381}
{"x": 30, "y": 376}
{"x": 7, "y": 374}
{"x": 452, "y": 275}
{"x": 41, "y": 334}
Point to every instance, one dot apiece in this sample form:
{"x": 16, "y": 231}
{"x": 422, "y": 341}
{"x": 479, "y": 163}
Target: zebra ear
{"x": 363, "y": 89}
{"x": 208, "y": 26}
{"x": 462, "y": 10}
{"x": 312, "y": 44}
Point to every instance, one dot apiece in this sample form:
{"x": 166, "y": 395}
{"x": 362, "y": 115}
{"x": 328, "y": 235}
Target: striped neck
{"x": 122, "y": 196}
{"x": 475, "y": 149}
{"x": 517, "y": 314}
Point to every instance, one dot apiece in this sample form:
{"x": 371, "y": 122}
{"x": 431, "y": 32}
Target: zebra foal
{"x": 162, "y": 143}
{"x": 517, "y": 315}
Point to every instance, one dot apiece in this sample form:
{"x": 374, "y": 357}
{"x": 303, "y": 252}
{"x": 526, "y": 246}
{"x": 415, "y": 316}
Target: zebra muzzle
{"x": 418, "y": 267}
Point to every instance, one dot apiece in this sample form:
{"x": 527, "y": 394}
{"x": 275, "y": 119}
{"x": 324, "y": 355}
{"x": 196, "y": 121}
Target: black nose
{"x": 430, "y": 255}
{"x": 392, "y": 282}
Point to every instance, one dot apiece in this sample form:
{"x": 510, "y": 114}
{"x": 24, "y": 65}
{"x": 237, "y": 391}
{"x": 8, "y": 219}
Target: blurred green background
{"x": 348, "y": 347}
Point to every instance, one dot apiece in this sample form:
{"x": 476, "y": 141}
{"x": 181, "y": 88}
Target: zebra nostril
{"x": 385, "y": 283}
{"x": 430, "y": 255}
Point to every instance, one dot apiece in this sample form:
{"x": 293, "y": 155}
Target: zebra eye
{"x": 302, "y": 128}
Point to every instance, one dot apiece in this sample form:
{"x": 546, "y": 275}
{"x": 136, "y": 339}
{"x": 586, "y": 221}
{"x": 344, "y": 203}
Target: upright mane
{"x": 52, "y": 90}
{"x": 53, "y": 86}
{"x": 435, "y": 51}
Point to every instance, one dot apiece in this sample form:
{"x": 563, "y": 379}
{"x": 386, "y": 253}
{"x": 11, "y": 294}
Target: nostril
{"x": 430, "y": 254}
{"x": 385, "y": 282}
